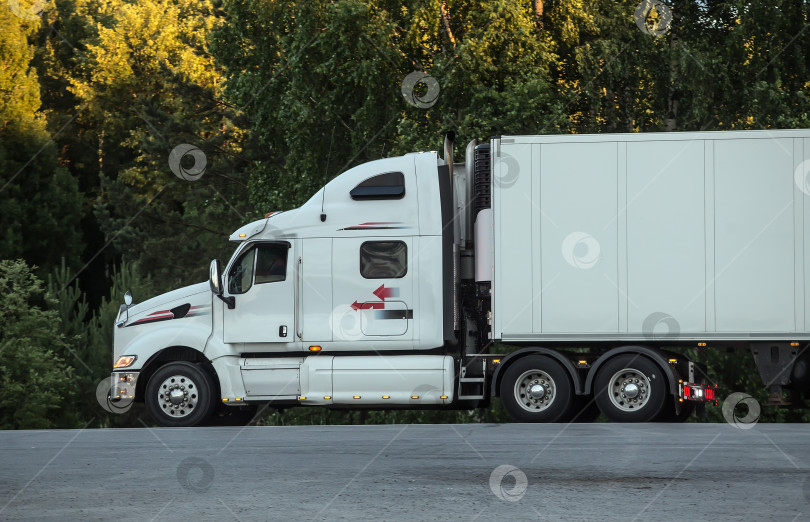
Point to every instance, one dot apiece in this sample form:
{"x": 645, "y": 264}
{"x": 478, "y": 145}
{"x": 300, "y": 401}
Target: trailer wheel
{"x": 180, "y": 394}
{"x": 536, "y": 389}
{"x": 630, "y": 388}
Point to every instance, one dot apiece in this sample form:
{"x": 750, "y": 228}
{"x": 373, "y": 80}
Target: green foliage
{"x": 39, "y": 200}
{"x": 36, "y": 383}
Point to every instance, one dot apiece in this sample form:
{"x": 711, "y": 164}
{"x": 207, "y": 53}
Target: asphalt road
{"x": 426, "y": 472}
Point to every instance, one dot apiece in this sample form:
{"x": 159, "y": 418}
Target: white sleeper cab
{"x": 593, "y": 260}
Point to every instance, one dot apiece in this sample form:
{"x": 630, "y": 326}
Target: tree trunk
{"x": 538, "y": 14}
{"x": 446, "y": 20}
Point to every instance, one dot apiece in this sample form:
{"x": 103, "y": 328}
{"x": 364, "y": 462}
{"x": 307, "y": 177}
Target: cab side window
{"x": 271, "y": 263}
{"x": 263, "y": 263}
{"x": 383, "y": 259}
{"x": 390, "y": 185}
{"x": 240, "y": 277}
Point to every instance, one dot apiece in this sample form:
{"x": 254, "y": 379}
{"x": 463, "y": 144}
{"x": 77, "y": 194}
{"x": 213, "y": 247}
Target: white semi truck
{"x": 594, "y": 260}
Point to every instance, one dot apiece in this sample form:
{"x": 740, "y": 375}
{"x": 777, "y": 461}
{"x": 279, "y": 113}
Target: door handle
{"x": 282, "y": 331}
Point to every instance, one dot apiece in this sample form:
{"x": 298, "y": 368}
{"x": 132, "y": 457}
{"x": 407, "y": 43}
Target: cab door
{"x": 262, "y": 282}
{"x": 373, "y": 281}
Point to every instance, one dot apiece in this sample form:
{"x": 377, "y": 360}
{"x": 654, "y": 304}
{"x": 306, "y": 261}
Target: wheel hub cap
{"x": 629, "y": 390}
{"x": 535, "y": 390}
{"x": 177, "y": 396}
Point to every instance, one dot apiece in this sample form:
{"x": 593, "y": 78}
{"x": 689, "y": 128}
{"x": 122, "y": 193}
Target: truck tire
{"x": 180, "y": 394}
{"x": 536, "y": 388}
{"x": 630, "y": 388}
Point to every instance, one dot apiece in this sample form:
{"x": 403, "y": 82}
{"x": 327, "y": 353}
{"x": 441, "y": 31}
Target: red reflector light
{"x": 687, "y": 392}
{"x": 709, "y": 394}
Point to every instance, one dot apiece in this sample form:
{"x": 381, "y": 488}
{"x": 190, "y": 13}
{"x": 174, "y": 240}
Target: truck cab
{"x": 340, "y": 302}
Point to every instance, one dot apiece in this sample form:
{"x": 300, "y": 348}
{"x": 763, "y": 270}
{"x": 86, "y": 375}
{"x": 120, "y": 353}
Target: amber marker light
{"x": 315, "y": 348}
{"x": 125, "y": 361}
{"x": 356, "y": 397}
{"x": 386, "y": 396}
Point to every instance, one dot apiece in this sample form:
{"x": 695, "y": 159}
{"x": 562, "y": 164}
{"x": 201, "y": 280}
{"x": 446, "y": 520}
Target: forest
{"x": 279, "y": 97}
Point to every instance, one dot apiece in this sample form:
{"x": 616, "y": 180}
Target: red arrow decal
{"x": 368, "y": 306}
{"x": 382, "y": 292}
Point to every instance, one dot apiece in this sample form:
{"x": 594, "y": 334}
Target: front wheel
{"x": 180, "y": 394}
{"x": 630, "y": 388}
{"x": 536, "y": 388}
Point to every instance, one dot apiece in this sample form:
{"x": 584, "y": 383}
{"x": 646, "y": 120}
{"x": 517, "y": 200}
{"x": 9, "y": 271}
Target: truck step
{"x": 471, "y": 388}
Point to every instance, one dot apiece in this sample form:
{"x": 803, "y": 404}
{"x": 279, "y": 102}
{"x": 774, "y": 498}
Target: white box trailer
{"x": 606, "y": 236}
{"x": 600, "y": 257}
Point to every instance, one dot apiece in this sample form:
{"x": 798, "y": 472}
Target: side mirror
{"x": 215, "y": 277}
{"x": 128, "y": 298}
{"x": 215, "y": 280}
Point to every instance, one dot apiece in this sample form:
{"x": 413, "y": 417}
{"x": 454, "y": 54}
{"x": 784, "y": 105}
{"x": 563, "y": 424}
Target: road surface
{"x": 410, "y": 472}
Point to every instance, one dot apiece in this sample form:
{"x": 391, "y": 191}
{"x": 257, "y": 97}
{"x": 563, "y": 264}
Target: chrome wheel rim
{"x": 178, "y": 396}
{"x": 535, "y": 391}
{"x": 629, "y": 390}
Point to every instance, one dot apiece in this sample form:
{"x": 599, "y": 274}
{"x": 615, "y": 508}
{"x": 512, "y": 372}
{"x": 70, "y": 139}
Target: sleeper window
{"x": 383, "y": 259}
{"x": 390, "y": 185}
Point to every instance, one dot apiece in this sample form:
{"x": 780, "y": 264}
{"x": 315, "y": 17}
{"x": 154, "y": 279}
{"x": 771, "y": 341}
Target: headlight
{"x": 125, "y": 361}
